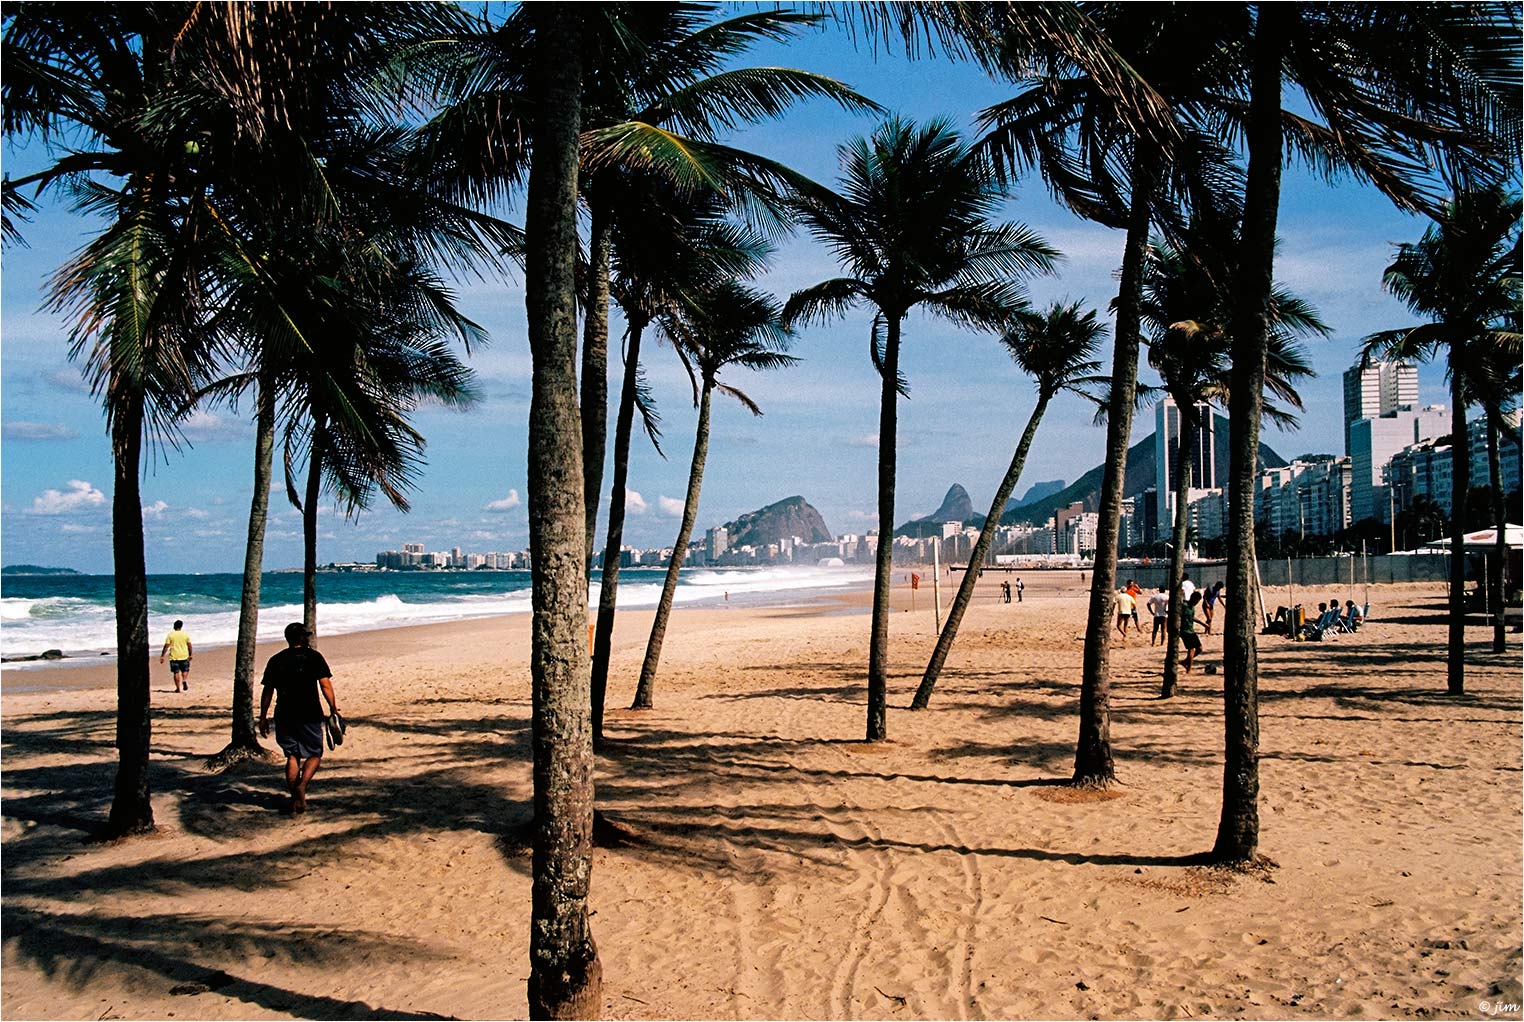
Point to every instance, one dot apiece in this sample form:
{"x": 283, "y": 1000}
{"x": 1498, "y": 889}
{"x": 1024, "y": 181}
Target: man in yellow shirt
{"x": 177, "y": 646}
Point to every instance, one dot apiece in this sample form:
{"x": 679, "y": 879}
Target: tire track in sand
{"x": 861, "y": 834}
{"x": 973, "y": 899}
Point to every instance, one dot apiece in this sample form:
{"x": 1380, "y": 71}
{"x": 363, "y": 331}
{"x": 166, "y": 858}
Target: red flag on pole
{"x": 915, "y": 581}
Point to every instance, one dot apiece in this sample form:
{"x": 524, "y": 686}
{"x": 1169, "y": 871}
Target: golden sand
{"x": 771, "y": 865}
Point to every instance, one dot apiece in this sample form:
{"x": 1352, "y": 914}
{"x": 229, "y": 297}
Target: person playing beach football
{"x": 177, "y": 646}
{"x": 293, "y": 679}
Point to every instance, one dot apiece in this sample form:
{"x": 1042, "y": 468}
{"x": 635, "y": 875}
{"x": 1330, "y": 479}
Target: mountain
{"x": 956, "y": 507}
{"x": 791, "y": 516}
{"x": 35, "y": 569}
{"x": 1139, "y": 477}
{"x": 1036, "y": 492}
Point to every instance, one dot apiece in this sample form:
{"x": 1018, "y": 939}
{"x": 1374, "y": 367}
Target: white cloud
{"x": 196, "y": 513}
{"x": 670, "y": 506}
{"x": 38, "y": 431}
{"x": 210, "y": 427}
{"x": 155, "y": 509}
{"x": 508, "y": 503}
{"x": 67, "y": 380}
{"x": 634, "y": 503}
{"x": 866, "y": 440}
{"x": 77, "y": 497}
{"x": 70, "y": 527}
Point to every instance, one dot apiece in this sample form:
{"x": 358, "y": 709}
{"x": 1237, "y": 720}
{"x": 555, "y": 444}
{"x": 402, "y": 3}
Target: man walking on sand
{"x": 177, "y": 646}
{"x": 293, "y": 678}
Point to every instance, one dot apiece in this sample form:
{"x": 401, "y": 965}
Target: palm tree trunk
{"x": 1092, "y": 754}
{"x": 1185, "y": 453}
{"x": 1460, "y": 489}
{"x": 595, "y": 363}
{"x": 976, "y": 559}
{"x": 244, "y": 742}
{"x": 608, "y": 583}
{"x": 1238, "y": 827}
{"x": 878, "y": 646}
{"x": 565, "y": 975}
{"x": 1498, "y": 569}
{"x": 309, "y": 528}
{"x": 685, "y": 532}
{"x": 131, "y": 805}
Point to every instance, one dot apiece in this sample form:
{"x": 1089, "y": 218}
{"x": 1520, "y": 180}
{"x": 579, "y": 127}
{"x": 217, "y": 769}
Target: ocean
{"x": 74, "y": 613}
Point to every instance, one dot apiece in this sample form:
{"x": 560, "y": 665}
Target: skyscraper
{"x": 1167, "y": 443}
{"x": 1381, "y": 388}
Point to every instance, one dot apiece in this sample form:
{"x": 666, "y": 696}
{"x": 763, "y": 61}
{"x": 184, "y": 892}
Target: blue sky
{"x": 817, "y": 438}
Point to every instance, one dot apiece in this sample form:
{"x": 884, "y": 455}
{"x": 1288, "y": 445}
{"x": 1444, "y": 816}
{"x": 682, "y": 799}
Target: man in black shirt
{"x": 293, "y": 678}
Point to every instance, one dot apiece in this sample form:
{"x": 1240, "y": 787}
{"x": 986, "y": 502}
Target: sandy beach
{"x": 772, "y": 865}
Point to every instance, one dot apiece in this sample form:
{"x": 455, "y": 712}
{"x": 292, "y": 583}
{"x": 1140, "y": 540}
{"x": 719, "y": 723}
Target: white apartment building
{"x": 1381, "y": 388}
{"x": 1373, "y": 442}
{"x": 1309, "y": 498}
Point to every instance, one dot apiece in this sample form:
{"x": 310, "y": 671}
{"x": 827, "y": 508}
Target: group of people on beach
{"x": 294, "y": 680}
{"x": 1157, "y": 604}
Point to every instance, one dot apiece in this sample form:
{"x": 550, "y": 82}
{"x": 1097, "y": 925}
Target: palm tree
{"x": 1494, "y": 378}
{"x": 1399, "y": 89}
{"x": 913, "y": 227}
{"x": 1056, "y": 348}
{"x": 1186, "y": 305}
{"x": 658, "y": 97}
{"x": 565, "y": 974}
{"x": 729, "y": 325}
{"x": 321, "y": 237}
{"x": 1463, "y": 274}
{"x": 1108, "y": 164}
{"x": 356, "y": 395}
{"x": 91, "y": 77}
{"x": 666, "y": 249}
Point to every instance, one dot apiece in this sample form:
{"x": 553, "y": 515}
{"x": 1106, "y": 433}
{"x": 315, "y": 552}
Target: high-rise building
{"x": 1381, "y": 388}
{"x": 1166, "y": 447}
{"x": 716, "y": 541}
{"x": 1373, "y": 442}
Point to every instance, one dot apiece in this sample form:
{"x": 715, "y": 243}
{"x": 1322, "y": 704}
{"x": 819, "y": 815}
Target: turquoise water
{"x": 74, "y": 613}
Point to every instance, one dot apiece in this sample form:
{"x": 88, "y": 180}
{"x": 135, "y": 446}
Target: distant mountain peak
{"x": 956, "y": 506}
{"x": 784, "y": 519}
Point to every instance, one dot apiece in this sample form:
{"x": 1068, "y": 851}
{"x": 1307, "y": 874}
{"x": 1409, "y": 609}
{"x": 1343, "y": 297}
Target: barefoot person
{"x": 177, "y": 646}
{"x": 292, "y": 678}
{"x": 1189, "y": 640}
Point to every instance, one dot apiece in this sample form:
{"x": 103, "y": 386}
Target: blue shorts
{"x": 179, "y": 667}
{"x": 304, "y": 741}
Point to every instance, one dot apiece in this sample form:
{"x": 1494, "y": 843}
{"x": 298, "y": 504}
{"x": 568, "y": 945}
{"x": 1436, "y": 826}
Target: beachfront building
{"x": 1206, "y": 516}
{"x": 1422, "y": 470}
{"x": 1309, "y": 497}
{"x": 1373, "y": 442}
{"x": 716, "y": 542}
{"x": 1381, "y": 388}
{"x": 1166, "y": 470}
{"x": 1078, "y": 534}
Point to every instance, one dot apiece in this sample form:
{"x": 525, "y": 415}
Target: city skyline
{"x": 967, "y": 400}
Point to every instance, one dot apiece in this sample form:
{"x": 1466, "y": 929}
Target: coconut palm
{"x": 1056, "y": 348}
{"x": 1494, "y": 380}
{"x": 1463, "y": 275}
{"x": 357, "y": 393}
{"x": 1397, "y": 89}
{"x": 565, "y": 974}
{"x": 913, "y": 228}
{"x": 659, "y": 96}
{"x": 1107, "y": 164}
{"x": 330, "y": 240}
{"x": 1186, "y": 306}
{"x": 666, "y": 249}
{"x": 728, "y": 325}
{"x": 91, "y": 77}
